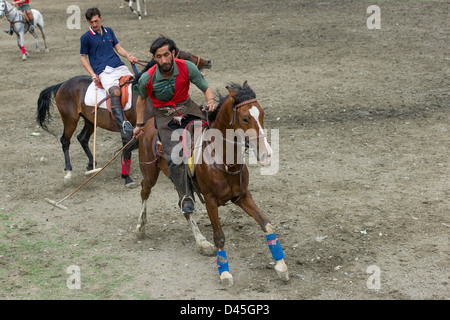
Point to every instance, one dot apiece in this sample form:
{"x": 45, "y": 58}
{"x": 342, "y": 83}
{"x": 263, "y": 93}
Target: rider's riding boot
{"x": 10, "y": 31}
{"x": 126, "y": 129}
{"x": 184, "y": 188}
{"x": 30, "y": 19}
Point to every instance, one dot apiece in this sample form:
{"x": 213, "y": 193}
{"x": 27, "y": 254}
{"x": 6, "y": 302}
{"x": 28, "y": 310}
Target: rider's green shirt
{"x": 163, "y": 88}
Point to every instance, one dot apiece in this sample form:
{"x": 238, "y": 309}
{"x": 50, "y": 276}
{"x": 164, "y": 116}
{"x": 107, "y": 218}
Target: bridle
{"x": 6, "y": 11}
{"x": 198, "y": 58}
{"x": 6, "y": 7}
{"x": 235, "y": 118}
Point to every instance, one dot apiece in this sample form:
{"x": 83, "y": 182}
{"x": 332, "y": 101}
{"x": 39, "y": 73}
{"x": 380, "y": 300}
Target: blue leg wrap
{"x": 222, "y": 261}
{"x": 275, "y": 246}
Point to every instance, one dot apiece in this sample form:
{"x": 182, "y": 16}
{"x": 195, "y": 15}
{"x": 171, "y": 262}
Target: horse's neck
{"x": 13, "y": 13}
{"x": 222, "y": 124}
{"x": 224, "y": 117}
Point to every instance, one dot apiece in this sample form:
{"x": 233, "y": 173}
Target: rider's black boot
{"x": 184, "y": 188}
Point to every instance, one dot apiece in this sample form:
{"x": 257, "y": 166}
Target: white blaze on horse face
{"x": 254, "y": 112}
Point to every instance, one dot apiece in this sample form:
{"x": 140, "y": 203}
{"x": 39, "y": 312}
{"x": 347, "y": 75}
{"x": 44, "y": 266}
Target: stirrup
{"x": 129, "y": 126}
{"x": 189, "y": 206}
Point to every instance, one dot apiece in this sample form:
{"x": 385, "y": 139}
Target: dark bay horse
{"x": 69, "y": 97}
{"x": 222, "y": 180}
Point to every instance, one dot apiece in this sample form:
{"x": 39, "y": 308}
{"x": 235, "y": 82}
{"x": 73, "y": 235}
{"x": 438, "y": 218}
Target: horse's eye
{"x": 245, "y": 120}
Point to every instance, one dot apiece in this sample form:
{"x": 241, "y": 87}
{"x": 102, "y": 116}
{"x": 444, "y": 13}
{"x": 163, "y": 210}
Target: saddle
{"x": 124, "y": 83}
{"x": 103, "y": 97}
{"x": 192, "y": 151}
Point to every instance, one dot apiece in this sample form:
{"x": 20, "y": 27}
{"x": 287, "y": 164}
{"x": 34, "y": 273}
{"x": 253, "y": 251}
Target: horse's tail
{"x": 44, "y": 102}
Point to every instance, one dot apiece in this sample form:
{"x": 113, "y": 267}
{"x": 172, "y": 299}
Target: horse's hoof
{"x": 38, "y": 50}
{"x": 282, "y": 270}
{"x": 207, "y": 248}
{"x": 68, "y": 177}
{"x": 47, "y": 50}
{"x": 226, "y": 279}
{"x": 24, "y": 57}
{"x": 140, "y": 232}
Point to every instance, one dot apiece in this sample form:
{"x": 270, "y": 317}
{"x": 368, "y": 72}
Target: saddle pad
{"x": 196, "y": 153}
{"x": 89, "y": 98}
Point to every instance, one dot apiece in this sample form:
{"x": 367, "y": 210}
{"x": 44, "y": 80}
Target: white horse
{"x": 20, "y": 25}
{"x": 138, "y": 7}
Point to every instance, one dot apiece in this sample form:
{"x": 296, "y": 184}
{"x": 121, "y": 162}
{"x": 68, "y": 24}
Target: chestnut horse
{"x": 225, "y": 178}
{"x": 69, "y": 98}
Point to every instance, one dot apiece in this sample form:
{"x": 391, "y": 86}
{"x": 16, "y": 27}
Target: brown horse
{"x": 225, "y": 178}
{"x": 69, "y": 98}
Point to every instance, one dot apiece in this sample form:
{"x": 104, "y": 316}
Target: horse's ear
{"x": 245, "y": 84}
{"x": 231, "y": 92}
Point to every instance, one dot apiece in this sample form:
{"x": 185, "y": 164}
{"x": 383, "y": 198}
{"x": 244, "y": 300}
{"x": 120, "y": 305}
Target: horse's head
{"x": 199, "y": 62}
{"x": 2, "y": 9}
{"x": 248, "y": 116}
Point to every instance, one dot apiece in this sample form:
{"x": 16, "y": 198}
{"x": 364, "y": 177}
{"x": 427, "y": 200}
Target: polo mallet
{"x": 58, "y": 203}
{"x": 94, "y": 170}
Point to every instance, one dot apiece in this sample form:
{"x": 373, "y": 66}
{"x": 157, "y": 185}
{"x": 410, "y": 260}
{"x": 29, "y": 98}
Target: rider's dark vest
{"x": 182, "y": 84}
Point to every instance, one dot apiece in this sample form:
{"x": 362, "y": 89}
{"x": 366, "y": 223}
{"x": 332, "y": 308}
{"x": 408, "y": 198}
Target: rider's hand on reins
{"x": 211, "y": 106}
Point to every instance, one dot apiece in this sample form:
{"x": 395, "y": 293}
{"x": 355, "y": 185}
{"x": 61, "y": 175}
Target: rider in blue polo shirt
{"x": 99, "y": 49}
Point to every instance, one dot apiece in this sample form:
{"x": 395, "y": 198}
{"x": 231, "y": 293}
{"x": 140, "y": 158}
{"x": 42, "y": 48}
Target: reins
{"x": 7, "y": 14}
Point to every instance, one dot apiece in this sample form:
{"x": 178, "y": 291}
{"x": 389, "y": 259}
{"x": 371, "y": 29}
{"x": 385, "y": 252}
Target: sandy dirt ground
{"x": 360, "y": 200}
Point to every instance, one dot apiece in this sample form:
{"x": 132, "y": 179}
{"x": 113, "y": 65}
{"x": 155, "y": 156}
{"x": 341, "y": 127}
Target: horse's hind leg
{"x": 145, "y": 6}
{"x": 70, "y": 122}
{"x": 248, "y": 205}
{"x": 205, "y": 246}
{"x": 83, "y": 137}
{"x": 65, "y": 142}
{"x": 36, "y": 38}
{"x": 44, "y": 38}
{"x": 150, "y": 173}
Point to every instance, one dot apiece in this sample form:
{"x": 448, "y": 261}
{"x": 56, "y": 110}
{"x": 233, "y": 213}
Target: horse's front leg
{"x": 219, "y": 240}
{"x": 205, "y": 246}
{"x": 20, "y": 44}
{"x": 249, "y": 206}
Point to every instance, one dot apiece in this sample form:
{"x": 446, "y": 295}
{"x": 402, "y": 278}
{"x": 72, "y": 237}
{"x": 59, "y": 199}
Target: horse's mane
{"x": 241, "y": 94}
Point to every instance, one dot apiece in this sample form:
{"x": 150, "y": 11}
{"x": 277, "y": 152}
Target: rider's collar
{"x": 94, "y": 33}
